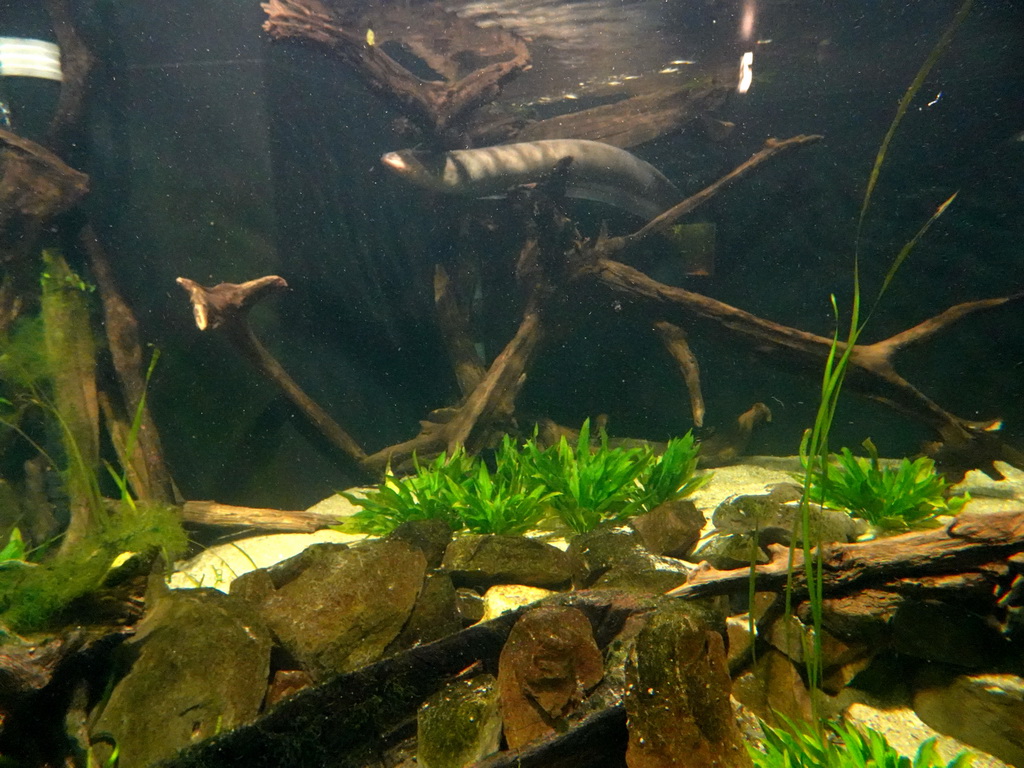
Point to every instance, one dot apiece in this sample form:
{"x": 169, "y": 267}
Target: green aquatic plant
{"x": 507, "y": 503}
{"x": 841, "y": 745}
{"x": 672, "y": 475}
{"x": 37, "y": 587}
{"x": 590, "y": 486}
{"x": 13, "y": 552}
{"x": 36, "y": 597}
{"x": 910, "y": 495}
{"x": 814, "y": 448}
{"x": 424, "y": 495}
{"x": 579, "y": 485}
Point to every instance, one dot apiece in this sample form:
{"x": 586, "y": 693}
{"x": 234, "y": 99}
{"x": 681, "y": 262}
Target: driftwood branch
{"x": 675, "y": 341}
{"x": 76, "y": 62}
{"x": 147, "y": 471}
{"x": 871, "y": 368}
{"x": 454, "y": 323}
{"x": 662, "y": 222}
{"x": 969, "y": 541}
{"x": 632, "y": 121}
{"x": 226, "y": 307}
{"x": 441, "y": 108}
{"x": 218, "y": 515}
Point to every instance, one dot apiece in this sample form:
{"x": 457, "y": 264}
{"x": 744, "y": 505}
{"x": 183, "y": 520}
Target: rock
{"x": 863, "y": 616}
{"x": 841, "y": 661}
{"x": 773, "y": 686}
{"x": 671, "y": 529}
{"x": 905, "y": 732}
{"x": 435, "y": 614}
{"x": 460, "y": 724}
{"x": 788, "y": 635}
{"x": 335, "y": 610}
{"x": 596, "y": 552}
{"x": 985, "y": 711}
{"x": 941, "y": 632}
{"x": 286, "y": 682}
{"x": 218, "y": 566}
{"x": 616, "y": 559}
{"x": 201, "y": 664}
{"x": 546, "y": 667}
{"x": 481, "y": 561}
{"x": 756, "y": 475}
{"x": 740, "y": 639}
{"x": 772, "y": 517}
{"x": 677, "y": 696}
{"x": 430, "y": 536}
{"x": 502, "y": 598}
{"x": 656, "y": 575}
{"x": 728, "y": 551}
{"x": 470, "y": 605}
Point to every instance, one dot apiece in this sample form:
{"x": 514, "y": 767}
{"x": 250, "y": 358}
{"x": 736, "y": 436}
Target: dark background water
{"x": 220, "y": 156}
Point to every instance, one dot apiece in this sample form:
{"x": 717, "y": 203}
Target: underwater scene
{"x": 535, "y": 383}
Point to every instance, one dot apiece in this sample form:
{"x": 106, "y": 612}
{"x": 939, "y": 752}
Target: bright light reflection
{"x": 746, "y": 72}
{"x": 747, "y": 19}
{"x": 29, "y": 58}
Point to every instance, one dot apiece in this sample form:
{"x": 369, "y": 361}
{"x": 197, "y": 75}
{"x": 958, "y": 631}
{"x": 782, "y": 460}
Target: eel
{"x": 598, "y": 171}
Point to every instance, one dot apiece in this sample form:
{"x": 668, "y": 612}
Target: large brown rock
{"x": 335, "y": 609}
{"x": 431, "y": 536}
{"x": 773, "y": 686}
{"x": 547, "y": 665}
{"x": 677, "y": 696}
{"x": 435, "y": 614}
{"x": 671, "y": 529}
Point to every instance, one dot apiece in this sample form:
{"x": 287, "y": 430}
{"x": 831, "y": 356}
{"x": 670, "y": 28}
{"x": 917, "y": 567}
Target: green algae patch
{"x": 460, "y": 724}
{"x": 36, "y": 596}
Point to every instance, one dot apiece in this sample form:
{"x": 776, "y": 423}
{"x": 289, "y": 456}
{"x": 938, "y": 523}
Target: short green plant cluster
{"x": 841, "y": 745}
{"x": 577, "y": 486}
{"x": 899, "y": 498}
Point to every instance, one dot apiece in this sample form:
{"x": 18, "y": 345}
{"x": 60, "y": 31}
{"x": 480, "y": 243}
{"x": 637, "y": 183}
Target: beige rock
{"x": 218, "y": 566}
{"x": 503, "y": 598}
{"x": 905, "y": 732}
{"x": 985, "y": 711}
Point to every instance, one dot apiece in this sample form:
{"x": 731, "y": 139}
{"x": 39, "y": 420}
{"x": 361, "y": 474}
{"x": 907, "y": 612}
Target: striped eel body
{"x": 598, "y": 172}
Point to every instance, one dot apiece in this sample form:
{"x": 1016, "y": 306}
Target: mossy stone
{"x": 201, "y": 664}
{"x": 483, "y": 560}
{"x": 460, "y": 724}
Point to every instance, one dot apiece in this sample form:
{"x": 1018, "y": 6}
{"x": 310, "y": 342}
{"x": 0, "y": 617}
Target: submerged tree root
{"x": 557, "y": 268}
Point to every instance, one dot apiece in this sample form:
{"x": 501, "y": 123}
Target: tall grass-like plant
{"x": 815, "y": 445}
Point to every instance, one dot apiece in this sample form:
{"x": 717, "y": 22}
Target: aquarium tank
{"x": 512, "y": 382}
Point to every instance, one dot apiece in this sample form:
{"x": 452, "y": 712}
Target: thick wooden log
{"x": 970, "y": 540}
